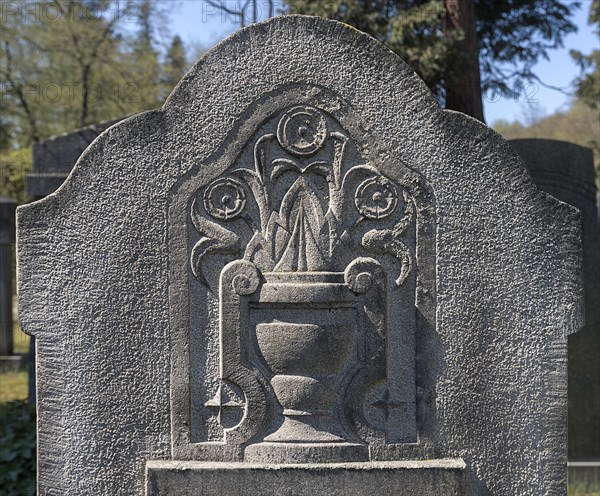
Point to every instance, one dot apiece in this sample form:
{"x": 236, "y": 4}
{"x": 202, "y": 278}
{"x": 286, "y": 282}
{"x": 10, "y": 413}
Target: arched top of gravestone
{"x": 122, "y": 182}
{"x": 212, "y": 99}
{"x": 239, "y": 71}
{"x": 312, "y": 43}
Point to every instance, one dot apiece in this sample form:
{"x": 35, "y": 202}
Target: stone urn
{"x": 306, "y": 360}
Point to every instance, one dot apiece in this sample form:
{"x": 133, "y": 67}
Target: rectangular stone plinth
{"x": 179, "y": 478}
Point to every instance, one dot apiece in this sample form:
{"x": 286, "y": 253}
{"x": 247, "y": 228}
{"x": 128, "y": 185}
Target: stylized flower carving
{"x": 225, "y": 198}
{"x": 302, "y": 130}
{"x": 376, "y": 198}
{"x": 300, "y": 219}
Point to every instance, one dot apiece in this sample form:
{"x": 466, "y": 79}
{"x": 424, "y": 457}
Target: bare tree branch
{"x": 19, "y": 90}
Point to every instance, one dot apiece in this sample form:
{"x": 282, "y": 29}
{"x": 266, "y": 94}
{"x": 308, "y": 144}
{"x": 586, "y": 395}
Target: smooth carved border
{"x": 225, "y": 154}
{"x": 239, "y": 280}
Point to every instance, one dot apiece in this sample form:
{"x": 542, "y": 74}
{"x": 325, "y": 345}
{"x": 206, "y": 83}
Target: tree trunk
{"x": 464, "y": 92}
{"x": 85, "y": 95}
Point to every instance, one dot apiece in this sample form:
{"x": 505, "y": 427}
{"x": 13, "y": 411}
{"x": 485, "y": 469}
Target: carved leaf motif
{"x": 283, "y": 165}
{"x": 383, "y": 241}
{"x": 386, "y": 241}
{"x": 262, "y": 248}
{"x": 304, "y": 219}
{"x": 305, "y": 226}
{"x": 215, "y": 239}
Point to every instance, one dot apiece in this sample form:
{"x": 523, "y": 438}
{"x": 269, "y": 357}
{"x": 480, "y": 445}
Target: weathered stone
{"x": 54, "y": 158}
{"x": 566, "y": 171}
{"x": 409, "y": 478}
{"x": 300, "y": 258}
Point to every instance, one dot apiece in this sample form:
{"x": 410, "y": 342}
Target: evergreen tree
{"x": 144, "y": 68}
{"x": 461, "y": 48}
{"x": 588, "y": 84}
{"x": 175, "y": 64}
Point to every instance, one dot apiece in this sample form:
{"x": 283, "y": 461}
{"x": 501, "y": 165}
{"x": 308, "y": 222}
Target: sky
{"x": 201, "y": 26}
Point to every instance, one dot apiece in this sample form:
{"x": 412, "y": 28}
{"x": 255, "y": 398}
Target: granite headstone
{"x": 7, "y": 245}
{"x": 53, "y": 158}
{"x": 566, "y": 171}
{"x": 300, "y": 275}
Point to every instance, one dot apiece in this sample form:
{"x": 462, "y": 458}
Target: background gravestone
{"x": 7, "y": 240}
{"x": 566, "y": 171}
{"x": 54, "y": 158}
{"x": 155, "y": 294}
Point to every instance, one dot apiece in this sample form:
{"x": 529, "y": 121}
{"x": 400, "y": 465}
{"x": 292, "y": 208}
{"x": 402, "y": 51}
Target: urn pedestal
{"x": 439, "y": 477}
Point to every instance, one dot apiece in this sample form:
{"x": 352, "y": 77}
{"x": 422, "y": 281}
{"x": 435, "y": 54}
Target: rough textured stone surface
{"x": 566, "y": 171}
{"x": 54, "y": 158}
{"x": 416, "y": 478}
{"x": 148, "y": 286}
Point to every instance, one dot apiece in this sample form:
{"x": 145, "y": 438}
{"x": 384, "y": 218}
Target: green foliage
{"x": 20, "y": 339}
{"x": 175, "y": 64}
{"x": 583, "y": 490}
{"x": 418, "y": 38}
{"x": 68, "y": 64}
{"x": 588, "y": 83}
{"x": 513, "y": 35}
{"x": 17, "y": 449}
{"x": 584, "y": 481}
{"x": 580, "y": 125}
{"x": 14, "y": 166}
{"x": 412, "y": 29}
{"x": 13, "y": 386}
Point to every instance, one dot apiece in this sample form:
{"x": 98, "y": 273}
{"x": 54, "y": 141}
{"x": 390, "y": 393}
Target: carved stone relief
{"x": 302, "y": 247}
{"x": 307, "y": 205}
{"x": 300, "y": 257}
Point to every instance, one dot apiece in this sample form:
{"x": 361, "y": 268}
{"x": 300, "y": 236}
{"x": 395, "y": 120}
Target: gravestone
{"x": 566, "y": 171}
{"x": 7, "y": 244}
{"x": 300, "y": 275}
{"x": 54, "y": 158}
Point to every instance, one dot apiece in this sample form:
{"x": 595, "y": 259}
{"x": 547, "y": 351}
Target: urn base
{"x": 268, "y": 452}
